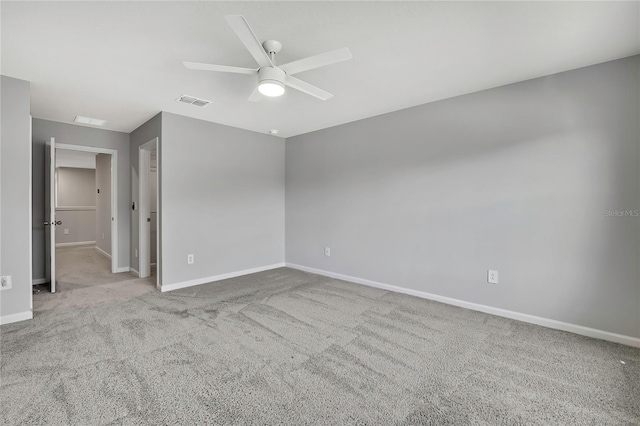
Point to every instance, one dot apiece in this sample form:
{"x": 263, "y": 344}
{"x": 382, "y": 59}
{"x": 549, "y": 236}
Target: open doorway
{"x": 149, "y": 218}
{"x": 83, "y": 209}
{"x": 83, "y": 231}
{"x": 81, "y": 248}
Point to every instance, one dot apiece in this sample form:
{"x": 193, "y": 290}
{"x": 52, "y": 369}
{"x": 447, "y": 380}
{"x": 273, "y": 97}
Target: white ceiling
{"x": 122, "y": 61}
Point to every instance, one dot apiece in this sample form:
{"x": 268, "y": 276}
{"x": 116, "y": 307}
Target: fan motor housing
{"x": 266, "y": 74}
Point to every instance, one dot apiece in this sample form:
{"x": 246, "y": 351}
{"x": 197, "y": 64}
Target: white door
{"x": 146, "y": 215}
{"x": 50, "y": 212}
{"x": 144, "y": 239}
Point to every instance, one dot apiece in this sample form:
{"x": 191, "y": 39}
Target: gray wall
{"x": 75, "y": 204}
{"x": 84, "y": 136}
{"x": 516, "y": 178}
{"x": 102, "y": 190}
{"x": 75, "y": 187}
{"x": 80, "y": 223}
{"x": 15, "y": 189}
{"x": 143, "y": 134}
{"x": 222, "y": 199}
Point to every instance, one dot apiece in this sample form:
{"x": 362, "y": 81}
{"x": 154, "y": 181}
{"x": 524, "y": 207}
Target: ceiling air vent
{"x": 193, "y": 101}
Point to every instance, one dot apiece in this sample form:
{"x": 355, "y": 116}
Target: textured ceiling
{"x": 122, "y": 61}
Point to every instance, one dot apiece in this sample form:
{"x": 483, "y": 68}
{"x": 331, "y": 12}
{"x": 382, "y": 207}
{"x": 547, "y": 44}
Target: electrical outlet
{"x": 327, "y": 251}
{"x": 190, "y": 259}
{"x": 492, "y": 276}
{"x": 135, "y": 252}
{"x": 66, "y": 232}
{"x": 5, "y": 282}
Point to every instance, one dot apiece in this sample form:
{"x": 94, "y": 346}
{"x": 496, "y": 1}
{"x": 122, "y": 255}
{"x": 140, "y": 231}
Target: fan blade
{"x": 249, "y": 39}
{"x": 307, "y": 88}
{"x": 219, "y": 68}
{"x": 317, "y": 61}
{"x": 255, "y": 96}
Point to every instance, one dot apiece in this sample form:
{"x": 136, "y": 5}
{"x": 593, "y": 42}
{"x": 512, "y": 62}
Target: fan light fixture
{"x": 271, "y": 81}
{"x": 271, "y": 88}
{"x": 273, "y": 78}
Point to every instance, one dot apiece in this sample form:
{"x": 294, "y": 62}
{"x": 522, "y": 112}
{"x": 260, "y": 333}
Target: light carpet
{"x": 288, "y": 347}
{"x": 84, "y": 279}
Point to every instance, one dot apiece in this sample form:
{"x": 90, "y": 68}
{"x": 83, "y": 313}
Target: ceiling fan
{"x": 273, "y": 78}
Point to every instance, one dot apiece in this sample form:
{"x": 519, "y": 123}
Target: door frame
{"x": 114, "y": 194}
{"x": 144, "y": 201}
{"x": 50, "y": 212}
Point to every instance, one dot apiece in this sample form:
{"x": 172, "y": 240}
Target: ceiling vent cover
{"x": 193, "y": 101}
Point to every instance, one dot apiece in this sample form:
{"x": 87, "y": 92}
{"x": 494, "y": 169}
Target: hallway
{"x": 84, "y": 279}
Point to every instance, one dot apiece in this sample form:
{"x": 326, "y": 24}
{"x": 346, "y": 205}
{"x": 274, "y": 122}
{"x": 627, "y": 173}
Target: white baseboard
{"x": 122, "y": 269}
{"x": 104, "y": 253}
{"x": 532, "y": 319}
{"x": 206, "y": 280}
{"x": 134, "y": 272}
{"x": 22, "y": 316}
{"x": 77, "y": 243}
{"x": 37, "y": 281}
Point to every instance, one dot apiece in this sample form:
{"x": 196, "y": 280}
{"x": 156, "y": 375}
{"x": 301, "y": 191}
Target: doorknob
{"x": 59, "y": 222}
{"x": 46, "y": 223}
